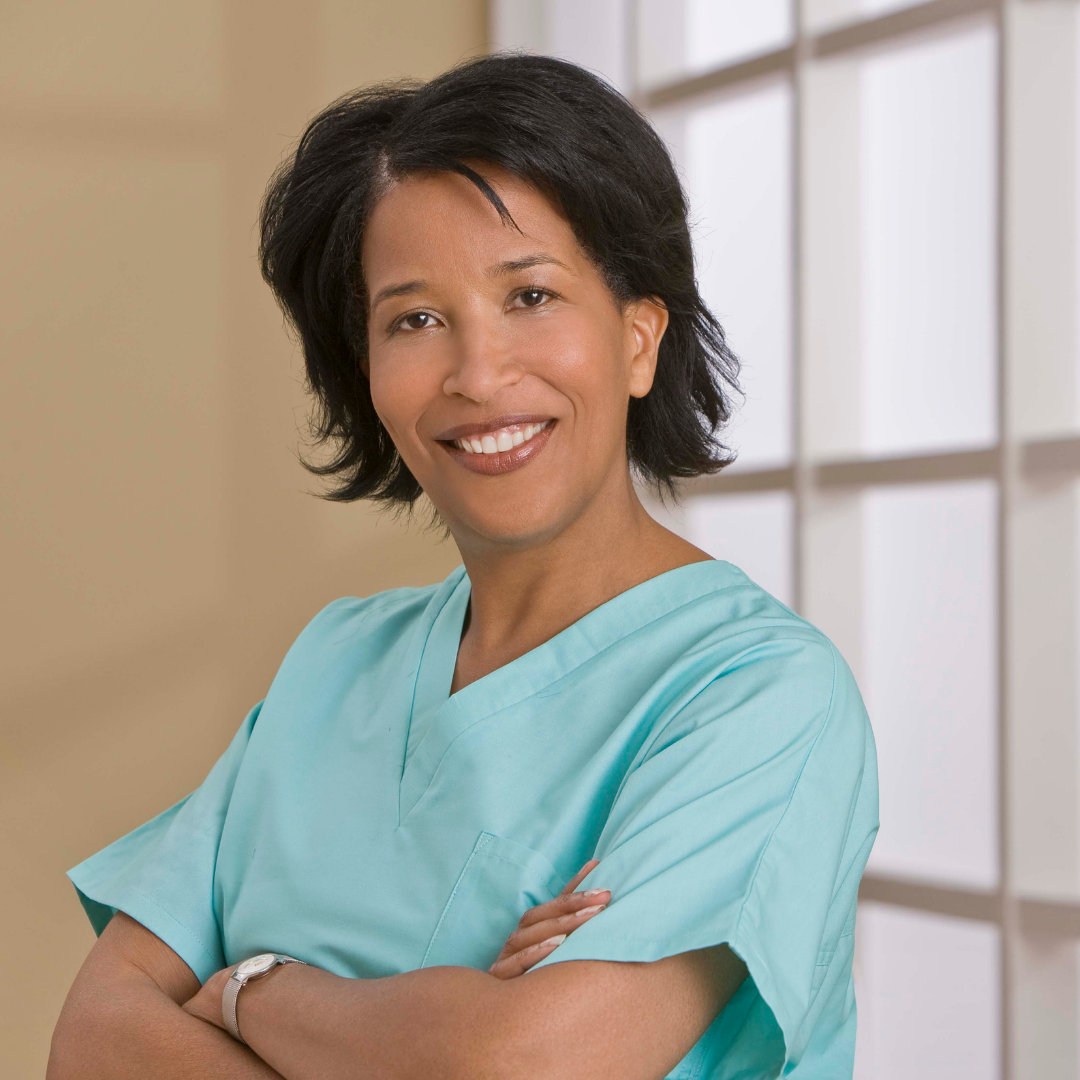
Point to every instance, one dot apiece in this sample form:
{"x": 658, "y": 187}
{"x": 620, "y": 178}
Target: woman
{"x": 591, "y": 743}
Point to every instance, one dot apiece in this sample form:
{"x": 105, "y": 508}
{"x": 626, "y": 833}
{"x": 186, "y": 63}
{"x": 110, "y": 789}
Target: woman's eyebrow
{"x": 406, "y": 288}
{"x": 524, "y": 263}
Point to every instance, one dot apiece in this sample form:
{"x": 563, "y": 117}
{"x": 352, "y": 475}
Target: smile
{"x": 501, "y": 440}
{"x": 502, "y": 449}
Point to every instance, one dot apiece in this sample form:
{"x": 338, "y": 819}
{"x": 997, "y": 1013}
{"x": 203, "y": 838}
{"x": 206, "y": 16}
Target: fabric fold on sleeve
{"x": 747, "y": 823}
{"x": 162, "y": 873}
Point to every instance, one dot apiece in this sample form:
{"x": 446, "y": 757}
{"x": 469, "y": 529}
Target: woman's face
{"x": 499, "y": 361}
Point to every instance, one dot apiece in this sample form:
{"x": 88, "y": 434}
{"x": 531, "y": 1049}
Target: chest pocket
{"x": 500, "y": 881}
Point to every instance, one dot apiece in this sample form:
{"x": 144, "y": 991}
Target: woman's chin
{"x": 509, "y": 536}
{"x": 509, "y": 528}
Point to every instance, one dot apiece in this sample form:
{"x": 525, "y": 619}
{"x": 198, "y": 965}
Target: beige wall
{"x": 159, "y": 547}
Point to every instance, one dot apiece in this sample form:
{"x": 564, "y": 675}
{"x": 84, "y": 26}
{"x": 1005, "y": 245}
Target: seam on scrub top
{"x": 532, "y": 691}
{"x": 373, "y": 605}
{"x": 738, "y": 935}
{"x": 791, "y": 798}
{"x": 536, "y": 871}
{"x": 197, "y": 938}
{"x": 477, "y": 847}
{"x": 845, "y": 866}
{"x": 416, "y": 685}
{"x": 419, "y": 666}
{"x": 656, "y": 732}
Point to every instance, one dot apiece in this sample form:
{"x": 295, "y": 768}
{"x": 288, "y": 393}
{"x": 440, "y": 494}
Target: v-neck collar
{"x": 440, "y": 717}
{"x": 438, "y": 659}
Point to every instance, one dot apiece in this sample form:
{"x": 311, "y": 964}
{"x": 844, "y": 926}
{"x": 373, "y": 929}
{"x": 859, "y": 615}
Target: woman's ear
{"x": 648, "y": 319}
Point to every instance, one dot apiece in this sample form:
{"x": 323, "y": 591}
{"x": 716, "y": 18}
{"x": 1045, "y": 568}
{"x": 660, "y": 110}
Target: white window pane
{"x": 738, "y": 175}
{"x": 928, "y": 994}
{"x": 516, "y": 24}
{"x": 1046, "y": 994}
{"x": 930, "y": 648}
{"x": 594, "y": 34}
{"x": 719, "y": 31}
{"x": 928, "y": 150}
{"x": 677, "y": 38}
{"x": 752, "y": 531}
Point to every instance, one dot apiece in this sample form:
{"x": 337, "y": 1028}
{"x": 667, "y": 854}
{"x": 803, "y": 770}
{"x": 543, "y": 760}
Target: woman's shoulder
{"x": 375, "y": 622}
{"x": 347, "y": 614}
{"x": 768, "y": 656}
{"x": 743, "y": 615}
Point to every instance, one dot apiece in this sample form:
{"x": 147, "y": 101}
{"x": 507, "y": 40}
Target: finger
{"x": 520, "y": 962}
{"x": 573, "y": 883}
{"x": 561, "y": 920}
{"x": 527, "y": 937}
{"x": 563, "y": 905}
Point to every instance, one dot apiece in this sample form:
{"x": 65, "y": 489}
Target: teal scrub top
{"x": 701, "y": 740}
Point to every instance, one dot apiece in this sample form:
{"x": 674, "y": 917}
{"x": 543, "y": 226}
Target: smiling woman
{"x": 596, "y": 805}
{"x": 526, "y": 321}
{"x": 580, "y": 162}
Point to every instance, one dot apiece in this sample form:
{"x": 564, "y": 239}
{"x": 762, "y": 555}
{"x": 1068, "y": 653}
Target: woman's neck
{"x": 521, "y": 598}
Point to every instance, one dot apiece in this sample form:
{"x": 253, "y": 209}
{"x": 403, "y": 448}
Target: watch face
{"x": 256, "y": 964}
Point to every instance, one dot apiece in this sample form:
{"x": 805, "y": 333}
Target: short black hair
{"x": 573, "y": 137}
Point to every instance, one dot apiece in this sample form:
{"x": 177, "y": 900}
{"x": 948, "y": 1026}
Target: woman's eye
{"x": 418, "y": 320}
{"x": 533, "y": 297}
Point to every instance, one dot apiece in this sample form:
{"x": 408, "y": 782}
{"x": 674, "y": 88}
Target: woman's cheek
{"x": 399, "y": 391}
{"x": 583, "y": 372}
{"x": 568, "y": 361}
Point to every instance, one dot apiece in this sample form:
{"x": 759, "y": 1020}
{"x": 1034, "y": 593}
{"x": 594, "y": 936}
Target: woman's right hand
{"x": 546, "y": 926}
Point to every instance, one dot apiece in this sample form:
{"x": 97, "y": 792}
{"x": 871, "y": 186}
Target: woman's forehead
{"x": 443, "y": 219}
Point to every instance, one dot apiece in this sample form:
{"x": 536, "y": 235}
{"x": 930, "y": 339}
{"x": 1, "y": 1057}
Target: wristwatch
{"x": 253, "y": 968}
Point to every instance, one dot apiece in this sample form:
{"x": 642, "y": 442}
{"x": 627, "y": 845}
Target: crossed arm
{"x": 136, "y": 1009}
{"x": 598, "y": 1019}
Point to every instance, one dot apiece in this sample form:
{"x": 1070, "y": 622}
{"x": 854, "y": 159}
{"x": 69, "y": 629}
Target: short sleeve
{"x": 746, "y": 820}
{"x": 162, "y": 873}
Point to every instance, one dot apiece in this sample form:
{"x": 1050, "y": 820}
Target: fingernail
{"x": 593, "y": 892}
{"x": 552, "y": 941}
{"x": 590, "y": 910}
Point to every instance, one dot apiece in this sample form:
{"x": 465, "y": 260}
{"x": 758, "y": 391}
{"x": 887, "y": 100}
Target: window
{"x": 897, "y": 261}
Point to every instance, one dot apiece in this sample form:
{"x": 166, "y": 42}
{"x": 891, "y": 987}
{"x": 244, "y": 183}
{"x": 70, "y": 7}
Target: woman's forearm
{"x": 129, "y": 1028}
{"x": 582, "y": 1020}
{"x": 312, "y": 1025}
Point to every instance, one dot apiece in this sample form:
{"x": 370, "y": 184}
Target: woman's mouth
{"x": 502, "y": 449}
{"x": 501, "y": 440}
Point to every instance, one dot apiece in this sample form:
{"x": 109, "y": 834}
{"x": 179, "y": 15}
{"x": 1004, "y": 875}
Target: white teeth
{"x": 498, "y": 441}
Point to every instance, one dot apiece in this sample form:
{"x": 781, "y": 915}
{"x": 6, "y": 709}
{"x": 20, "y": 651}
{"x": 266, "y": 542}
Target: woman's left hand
{"x": 206, "y": 1004}
{"x": 545, "y": 927}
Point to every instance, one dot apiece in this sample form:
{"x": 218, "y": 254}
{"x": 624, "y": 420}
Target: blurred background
{"x": 887, "y": 213}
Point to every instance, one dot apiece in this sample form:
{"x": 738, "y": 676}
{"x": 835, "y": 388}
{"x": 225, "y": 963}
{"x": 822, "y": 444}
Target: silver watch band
{"x": 233, "y": 987}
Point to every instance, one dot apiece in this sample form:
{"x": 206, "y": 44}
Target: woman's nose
{"x": 484, "y": 363}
